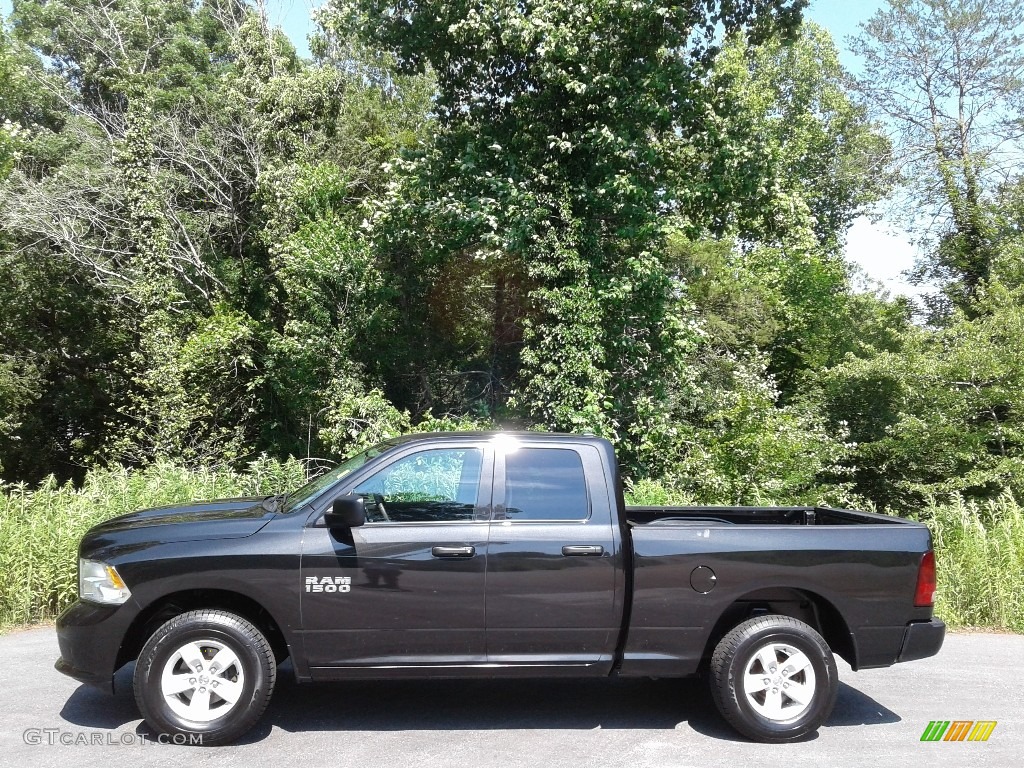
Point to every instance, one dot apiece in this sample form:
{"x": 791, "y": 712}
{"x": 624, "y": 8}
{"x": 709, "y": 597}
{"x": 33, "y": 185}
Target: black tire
{"x": 248, "y": 677}
{"x": 771, "y": 715}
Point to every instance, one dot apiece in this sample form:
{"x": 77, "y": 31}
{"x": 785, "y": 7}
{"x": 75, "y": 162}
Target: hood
{"x": 220, "y": 519}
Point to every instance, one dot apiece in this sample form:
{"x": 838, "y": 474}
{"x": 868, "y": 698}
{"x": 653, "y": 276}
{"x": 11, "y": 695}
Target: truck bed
{"x": 672, "y": 516}
{"x": 690, "y": 561}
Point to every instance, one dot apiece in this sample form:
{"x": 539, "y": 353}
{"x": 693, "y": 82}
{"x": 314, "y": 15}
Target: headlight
{"x": 101, "y": 583}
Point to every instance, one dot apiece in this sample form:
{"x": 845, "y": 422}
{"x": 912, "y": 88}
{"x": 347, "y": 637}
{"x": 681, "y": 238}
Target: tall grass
{"x": 40, "y": 527}
{"x": 979, "y": 552}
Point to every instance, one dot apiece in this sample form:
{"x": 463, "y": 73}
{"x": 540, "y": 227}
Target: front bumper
{"x": 922, "y": 639}
{"x": 89, "y": 637}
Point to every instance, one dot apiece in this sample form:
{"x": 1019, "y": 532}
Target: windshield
{"x": 314, "y": 487}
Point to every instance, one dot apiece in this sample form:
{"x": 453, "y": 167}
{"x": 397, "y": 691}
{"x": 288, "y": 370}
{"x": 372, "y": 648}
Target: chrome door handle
{"x": 453, "y": 551}
{"x": 579, "y": 550}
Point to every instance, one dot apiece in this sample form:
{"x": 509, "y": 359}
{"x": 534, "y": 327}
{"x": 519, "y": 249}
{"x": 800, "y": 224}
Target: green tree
{"x": 54, "y": 341}
{"x": 948, "y": 76}
{"x": 30, "y": 107}
{"x": 787, "y": 152}
{"x": 288, "y": 302}
{"x": 185, "y": 267}
{"x": 789, "y": 160}
{"x": 942, "y": 416}
{"x": 749, "y": 449}
{"x": 548, "y": 170}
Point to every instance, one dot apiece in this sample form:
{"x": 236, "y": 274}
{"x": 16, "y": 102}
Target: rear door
{"x": 407, "y": 588}
{"x": 554, "y": 576}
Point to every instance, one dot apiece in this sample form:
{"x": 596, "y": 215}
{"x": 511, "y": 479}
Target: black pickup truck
{"x": 492, "y": 555}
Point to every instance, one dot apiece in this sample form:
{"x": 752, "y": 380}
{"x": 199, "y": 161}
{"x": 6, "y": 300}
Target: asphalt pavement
{"x": 47, "y": 719}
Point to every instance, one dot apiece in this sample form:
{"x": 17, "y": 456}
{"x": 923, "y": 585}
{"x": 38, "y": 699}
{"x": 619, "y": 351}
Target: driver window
{"x": 438, "y": 485}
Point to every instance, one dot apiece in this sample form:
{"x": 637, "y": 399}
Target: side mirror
{"x": 346, "y": 512}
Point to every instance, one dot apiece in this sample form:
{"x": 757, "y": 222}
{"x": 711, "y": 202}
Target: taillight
{"x": 924, "y": 595}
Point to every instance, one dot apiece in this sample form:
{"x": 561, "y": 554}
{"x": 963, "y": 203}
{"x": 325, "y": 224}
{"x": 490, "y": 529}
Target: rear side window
{"x": 545, "y": 484}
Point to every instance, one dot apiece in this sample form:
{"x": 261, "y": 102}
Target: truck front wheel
{"x": 204, "y": 677}
{"x": 774, "y": 678}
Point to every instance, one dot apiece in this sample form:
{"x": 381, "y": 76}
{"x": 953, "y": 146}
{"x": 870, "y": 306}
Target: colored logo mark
{"x": 958, "y": 730}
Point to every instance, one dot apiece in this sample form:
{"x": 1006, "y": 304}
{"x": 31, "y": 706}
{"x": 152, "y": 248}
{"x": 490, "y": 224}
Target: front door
{"x": 407, "y": 588}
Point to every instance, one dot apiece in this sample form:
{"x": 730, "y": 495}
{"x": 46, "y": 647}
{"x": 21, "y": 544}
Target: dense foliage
{"x": 609, "y": 215}
{"x": 40, "y": 527}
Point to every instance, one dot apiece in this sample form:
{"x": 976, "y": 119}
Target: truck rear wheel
{"x": 204, "y": 677}
{"x": 774, "y": 678}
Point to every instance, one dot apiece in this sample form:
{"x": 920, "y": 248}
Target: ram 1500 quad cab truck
{"x": 492, "y": 555}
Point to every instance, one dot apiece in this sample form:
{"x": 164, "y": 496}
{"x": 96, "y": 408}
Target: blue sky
{"x": 883, "y": 252}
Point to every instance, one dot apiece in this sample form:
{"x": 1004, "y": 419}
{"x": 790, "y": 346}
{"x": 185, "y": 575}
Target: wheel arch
{"x": 806, "y": 606}
{"x": 175, "y": 603}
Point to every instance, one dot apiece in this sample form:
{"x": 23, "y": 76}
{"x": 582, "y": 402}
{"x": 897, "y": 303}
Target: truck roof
{"x": 602, "y": 444}
{"x": 490, "y": 433}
